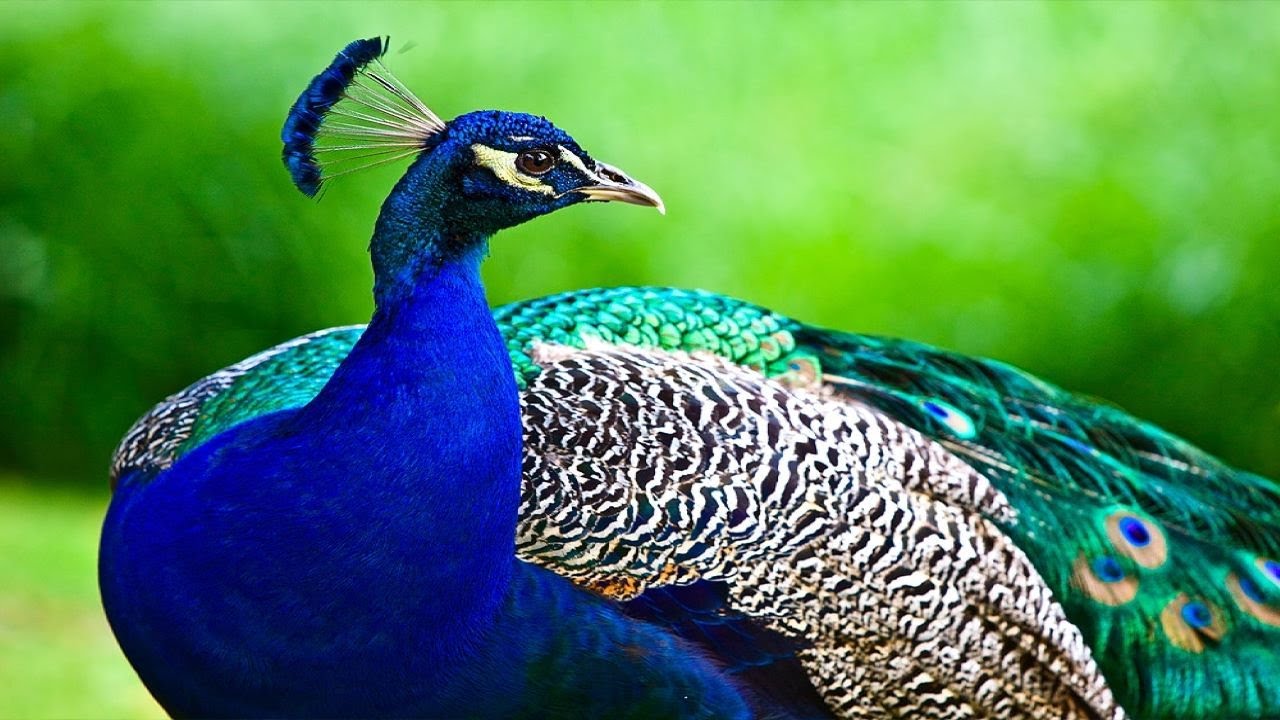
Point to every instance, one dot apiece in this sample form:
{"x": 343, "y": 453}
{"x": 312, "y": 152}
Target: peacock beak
{"x": 613, "y": 184}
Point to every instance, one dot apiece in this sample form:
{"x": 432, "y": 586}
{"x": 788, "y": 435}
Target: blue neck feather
{"x": 414, "y": 239}
{"x": 356, "y": 556}
{"x": 380, "y": 516}
{"x": 427, "y": 399}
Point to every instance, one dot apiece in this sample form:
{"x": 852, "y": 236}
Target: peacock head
{"x": 511, "y": 167}
{"x": 476, "y": 174}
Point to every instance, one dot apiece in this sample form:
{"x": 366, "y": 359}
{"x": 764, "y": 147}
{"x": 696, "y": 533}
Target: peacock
{"x": 652, "y": 502}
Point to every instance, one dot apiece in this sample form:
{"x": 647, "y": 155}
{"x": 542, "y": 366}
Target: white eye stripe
{"x": 576, "y": 161}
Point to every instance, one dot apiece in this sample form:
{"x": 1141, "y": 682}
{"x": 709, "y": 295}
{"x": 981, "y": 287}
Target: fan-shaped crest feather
{"x": 352, "y": 111}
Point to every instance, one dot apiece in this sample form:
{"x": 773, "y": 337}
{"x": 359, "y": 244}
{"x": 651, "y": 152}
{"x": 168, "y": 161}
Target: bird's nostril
{"x": 611, "y": 175}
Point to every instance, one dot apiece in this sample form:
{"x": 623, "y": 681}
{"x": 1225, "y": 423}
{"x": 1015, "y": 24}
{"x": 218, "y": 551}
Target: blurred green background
{"x": 1091, "y": 192}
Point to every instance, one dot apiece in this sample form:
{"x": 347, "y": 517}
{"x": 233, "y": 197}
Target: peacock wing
{"x": 830, "y": 523}
{"x": 1160, "y": 554}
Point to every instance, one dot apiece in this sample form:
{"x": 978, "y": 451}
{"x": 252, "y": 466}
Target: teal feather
{"x": 1068, "y": 465}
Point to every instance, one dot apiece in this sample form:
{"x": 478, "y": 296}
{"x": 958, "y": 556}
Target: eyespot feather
{"x": 1192, "y": 624}
{"x": 1104, "y": 580}
{"x": 1249, "y": 597}
{"x": 1138, "y": 538}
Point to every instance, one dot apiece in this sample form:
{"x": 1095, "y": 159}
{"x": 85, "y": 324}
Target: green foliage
{"x": 1086, "y": 191}
{"x": 57, "y": 656}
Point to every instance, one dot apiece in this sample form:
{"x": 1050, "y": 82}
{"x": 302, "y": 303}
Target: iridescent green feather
{"x": 1069, "y": 465}
{"x": 284, "y": 380}
{"x": 652, "y": 318}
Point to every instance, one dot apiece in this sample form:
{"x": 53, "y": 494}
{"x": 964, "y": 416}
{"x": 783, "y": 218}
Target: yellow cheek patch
{"x": 503, "y": 165}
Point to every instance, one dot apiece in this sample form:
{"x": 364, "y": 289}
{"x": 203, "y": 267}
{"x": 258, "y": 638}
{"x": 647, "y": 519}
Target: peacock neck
{"x": 427, "y": 401}
{"x": 415, "y": 238}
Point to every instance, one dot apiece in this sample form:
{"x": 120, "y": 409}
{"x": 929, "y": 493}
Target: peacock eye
{"x": 535, "y": 162}
{"x": 1135, "y": 531}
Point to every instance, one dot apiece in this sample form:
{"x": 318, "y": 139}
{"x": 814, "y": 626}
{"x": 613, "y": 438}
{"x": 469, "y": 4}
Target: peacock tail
{"x": 859, "y": 526}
